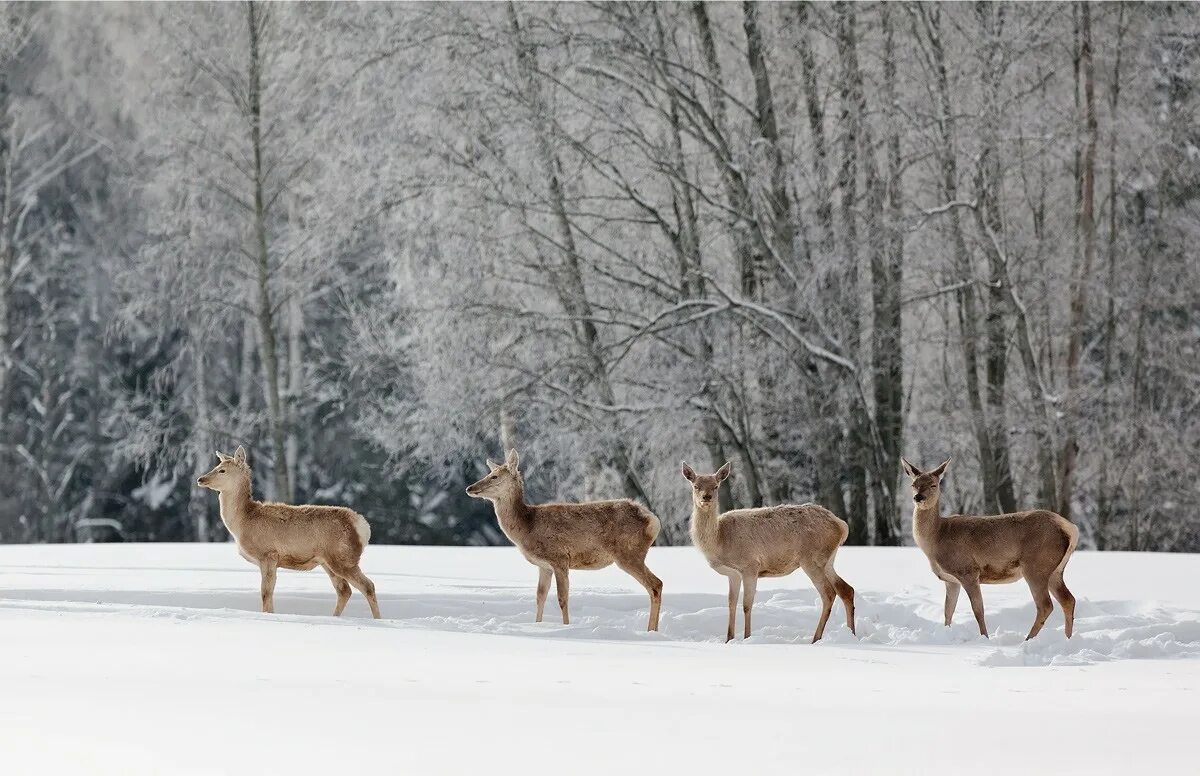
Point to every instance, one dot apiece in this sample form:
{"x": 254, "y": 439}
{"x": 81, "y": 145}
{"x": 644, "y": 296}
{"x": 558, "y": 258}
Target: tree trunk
{"x": 268, "y": 345}
{"x": 786, "y": 231}
{"x": 987, "y": 214}
{"x": 781, "y": 215}
{"x": 1047, "y": 479}
{"x": 1107, "y": 489}
{"x": 295, "y": 389}
{"x": 7, "y": 260}
{"x": 691, "y": 281}
{"x": 1137, "y": 386}
{"x": 750, "y": 243}
{"x": 887, "y": 355}
{"x": 965, "y": 295}
{"x": 1081, "y": 277}
{"x": 885, "y": 307}
{"x": 822, "y": 406}
{"x": 571, "y": 288}
{"x": 202, "y": 446}
{"x": 850, "y": 92}
{"x": 246, "y": 381}
{"x": 815, "y": 112}
{"x": 736, "y": 190}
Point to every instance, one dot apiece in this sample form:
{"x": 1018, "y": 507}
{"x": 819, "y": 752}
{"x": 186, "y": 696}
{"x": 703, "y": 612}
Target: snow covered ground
{"x": 153, "y": 659}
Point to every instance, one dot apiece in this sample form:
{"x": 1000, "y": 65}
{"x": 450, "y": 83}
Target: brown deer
{"x": 966, "y": 551}
{"x": 559, "y": 537}
{"x": 745, "y": 544}
{"x": 273, "y": 536}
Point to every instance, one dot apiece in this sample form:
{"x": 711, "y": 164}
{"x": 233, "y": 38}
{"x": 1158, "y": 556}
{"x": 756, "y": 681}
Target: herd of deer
{"x": 964, "y": 551}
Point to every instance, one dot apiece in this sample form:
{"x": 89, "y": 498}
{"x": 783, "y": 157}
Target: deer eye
{"x": 220, "y": 471}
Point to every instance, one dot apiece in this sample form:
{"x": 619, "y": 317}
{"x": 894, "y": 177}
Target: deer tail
{"x": 653, "y": 524}
{"x": 362, "y": 528}
{"x": 1072, "y": 532}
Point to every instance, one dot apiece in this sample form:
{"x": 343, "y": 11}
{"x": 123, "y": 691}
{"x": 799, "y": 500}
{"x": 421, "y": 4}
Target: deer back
{"x": 305, "y": 531}
{"x": 787, "y": 534}
{"x": 1002, "y": 544}
{"x": 612, "y": 527}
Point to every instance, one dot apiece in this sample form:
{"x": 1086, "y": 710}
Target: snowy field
{"x": 153, "y": 659}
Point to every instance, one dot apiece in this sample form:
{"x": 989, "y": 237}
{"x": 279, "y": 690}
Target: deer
{"x": 558, "y": 537}
{"x": 747, "y": 544}
{"x": 966, "y": 551}
{"x": 273, "y": 536}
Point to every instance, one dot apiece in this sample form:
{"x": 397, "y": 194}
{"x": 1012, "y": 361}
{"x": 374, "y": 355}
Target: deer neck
{"x": 235, "y": 504}
{"x": 513, "y": 514}
{"x": 704, "y": 527}
{"x": 926, "y": 521}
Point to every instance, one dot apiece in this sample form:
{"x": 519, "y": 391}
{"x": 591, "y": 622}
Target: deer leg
{"x": 341, "y": 587}
{"x": 826, "y": 590}
{"x": 1065, "y": 600}
{"x": 563, "y": 586}
{"x": 653, "y": 586}
{"x": 359, "y": 581}
{"x": 735, "y": 580}
{"x": 952, "y": 591}
{"x": 267, "y": 566}
{"x": 543, "y": 588}
{"x": 749, "y": 586}
{"x": 971, "y": 585}
{"x": 1041, "y": 599}
{"x": 846, "y": 593}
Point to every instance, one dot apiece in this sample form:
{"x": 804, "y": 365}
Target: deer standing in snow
{"x": 559, "y": 537}
{"x": 966, "y": 551}
{"x": 273, "y": 536}
{"x": 745, "y": 544}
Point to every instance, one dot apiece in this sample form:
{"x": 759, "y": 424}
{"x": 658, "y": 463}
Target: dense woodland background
{"x": 375, "y": 243}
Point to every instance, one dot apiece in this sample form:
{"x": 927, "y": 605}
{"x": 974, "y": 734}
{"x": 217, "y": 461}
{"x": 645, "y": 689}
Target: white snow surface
{"x": 154, "y": 659}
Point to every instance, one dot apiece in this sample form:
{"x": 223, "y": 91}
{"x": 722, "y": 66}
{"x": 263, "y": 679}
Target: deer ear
{"x": 940, "y": 470}
{"x": 222, "y": 457}
{"x": 492, "y": 465}
{"x": 909, "y": 469}
{"x": 239, "y": 455}
{"x": 512, "y": 459}
{"x": 724, "y": 471}
{"x": 688, "y": 473}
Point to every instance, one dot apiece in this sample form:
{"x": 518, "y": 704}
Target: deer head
{"x": 503, "y": 480}
{"x": 231, "y": 472}
{"x": 925, "y": 485}
{"x": 705, "y": 486}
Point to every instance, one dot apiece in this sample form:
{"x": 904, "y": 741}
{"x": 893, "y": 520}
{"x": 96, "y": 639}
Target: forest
{"x": 376, "y": 243}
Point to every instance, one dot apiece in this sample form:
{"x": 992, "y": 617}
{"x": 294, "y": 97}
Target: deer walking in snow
{"x": 559, "y": 537}
{"x": 966, "y": 551}
{"x": 274, "y": 536}
{"x": 745, "y": 544}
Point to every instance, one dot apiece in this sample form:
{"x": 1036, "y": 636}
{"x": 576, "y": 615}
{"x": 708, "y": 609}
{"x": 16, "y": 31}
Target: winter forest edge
{"x": 377, "y": 243}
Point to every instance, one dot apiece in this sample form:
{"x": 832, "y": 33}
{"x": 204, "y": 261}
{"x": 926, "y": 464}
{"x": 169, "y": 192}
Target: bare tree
{"x": 1081, "y": 274}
